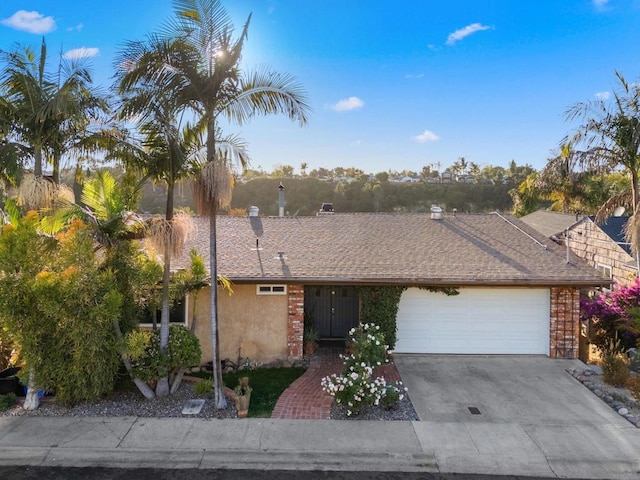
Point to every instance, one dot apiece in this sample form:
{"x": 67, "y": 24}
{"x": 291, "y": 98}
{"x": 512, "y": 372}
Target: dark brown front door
{"x": 332, "y": 309}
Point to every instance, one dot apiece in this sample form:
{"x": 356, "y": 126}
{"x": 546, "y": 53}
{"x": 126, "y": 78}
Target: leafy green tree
{"x": 561, "y": 182}
{"x": 59, "y": 307}
{"x": 110, "y": 221}
{"x": 205, "y": 68}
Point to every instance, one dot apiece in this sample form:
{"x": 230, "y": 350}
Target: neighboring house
{"x": 603, "y": 246}
{"x": 518, "y": 295}
{"x": 550, "y": 224}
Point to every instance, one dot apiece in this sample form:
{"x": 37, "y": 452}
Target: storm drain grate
{"x": 474, "y": 411}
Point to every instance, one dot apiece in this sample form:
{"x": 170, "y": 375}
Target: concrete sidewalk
{"x": 484, "y": 448}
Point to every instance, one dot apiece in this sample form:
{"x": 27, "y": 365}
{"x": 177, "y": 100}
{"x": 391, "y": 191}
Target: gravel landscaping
{"x": 617, "y": 398}
{"x": 404, "y": 411}
{"x": 125, "y": 404}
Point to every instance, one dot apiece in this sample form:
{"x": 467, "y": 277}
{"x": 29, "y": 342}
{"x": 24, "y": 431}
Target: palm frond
{"x": 266, "y": 92}
{"x": 622, "y": 199}
{"x": 169, "y": 235}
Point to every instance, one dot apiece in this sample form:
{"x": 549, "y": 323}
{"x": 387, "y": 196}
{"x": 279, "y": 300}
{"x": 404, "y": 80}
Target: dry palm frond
{"x": 632, "y": 232}
{"x": 169, "y": 235}
{"x": 213, "y": 187}
{"x": 36, "y": 193}
{"x": 622, "y": 199}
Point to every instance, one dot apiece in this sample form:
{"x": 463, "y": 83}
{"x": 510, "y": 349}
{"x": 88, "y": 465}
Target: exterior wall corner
{"x": 564, "y": 335}
{"x": 295, "y": 322}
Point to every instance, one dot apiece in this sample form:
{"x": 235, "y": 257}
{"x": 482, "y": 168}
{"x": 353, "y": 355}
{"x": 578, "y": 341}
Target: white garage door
{"x": 477, "y": 321}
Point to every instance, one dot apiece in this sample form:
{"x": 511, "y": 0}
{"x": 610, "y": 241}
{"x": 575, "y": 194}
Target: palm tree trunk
{"x": 219, "y": 397}
{"x": 56, "y": 168}
{"x": 634, "y": 190}
{"x": 37, "y": 155}
{"x": 163, "y": 387}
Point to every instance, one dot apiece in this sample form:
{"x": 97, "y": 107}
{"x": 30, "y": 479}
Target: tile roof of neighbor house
{"x": 387, "y": 248}
{"x": 550, "y": 223}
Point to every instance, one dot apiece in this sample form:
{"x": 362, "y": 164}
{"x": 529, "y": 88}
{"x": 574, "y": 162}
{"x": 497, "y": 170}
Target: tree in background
{"x": 50, "y": 113}
{"x": 610, "y": 140}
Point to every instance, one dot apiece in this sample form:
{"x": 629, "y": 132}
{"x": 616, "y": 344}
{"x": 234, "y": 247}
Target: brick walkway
{"x": 304, "y": 399}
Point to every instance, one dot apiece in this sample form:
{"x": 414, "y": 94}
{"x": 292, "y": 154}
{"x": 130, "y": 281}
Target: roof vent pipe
{"x": 253, "y": 211}
{"x": 281, "y": 200}
{"x": 436, "y": 212}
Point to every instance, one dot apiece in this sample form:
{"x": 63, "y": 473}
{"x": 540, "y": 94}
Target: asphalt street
{"x": 48, "y": 473}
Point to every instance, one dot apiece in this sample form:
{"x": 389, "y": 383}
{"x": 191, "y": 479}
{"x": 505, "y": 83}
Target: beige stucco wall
{"x": 257, "y": 324}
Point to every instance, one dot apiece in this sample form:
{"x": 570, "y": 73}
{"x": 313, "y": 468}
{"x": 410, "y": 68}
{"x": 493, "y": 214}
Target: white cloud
{"x": 351, "y": 103}
{"x": 603, "y": 95}
{"x": 426, "y": 136}
{"x": 356, "y": 143}
{"x": 465, "y": 32}
{"x": 78, "y": 27}
{"x": 83, "y": 52}
{"x": 32, "y": 22}
{"x": 419, "y": 75}
{"x": 600, "y": 3}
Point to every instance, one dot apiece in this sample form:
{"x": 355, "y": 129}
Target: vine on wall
{"x": 379, "y": 305}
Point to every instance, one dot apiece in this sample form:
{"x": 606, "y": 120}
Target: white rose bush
{"x": 355, "y": 387}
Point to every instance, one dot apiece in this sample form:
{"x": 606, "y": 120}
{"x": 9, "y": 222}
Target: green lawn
{"x": 267, "y": 385}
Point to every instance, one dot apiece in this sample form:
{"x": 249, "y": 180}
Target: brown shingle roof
{"x": 387, "y": 248}
{"x": 550, "y": 223}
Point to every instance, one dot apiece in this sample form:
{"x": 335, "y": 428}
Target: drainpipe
{"x": 281, "y": 200}
{"x": 566, "y": 239}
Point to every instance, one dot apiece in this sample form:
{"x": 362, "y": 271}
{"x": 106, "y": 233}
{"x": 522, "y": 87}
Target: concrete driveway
{"x": 531, "y": 390}
{"x": 535, "y": 419}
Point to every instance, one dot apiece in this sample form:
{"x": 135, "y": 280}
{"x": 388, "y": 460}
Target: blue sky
{"x": 393, "y": 85}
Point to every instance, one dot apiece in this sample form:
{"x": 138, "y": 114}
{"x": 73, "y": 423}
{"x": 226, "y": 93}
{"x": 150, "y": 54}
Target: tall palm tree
{"x": 50, "y": 111}
{"x": 610, "y": 135}
{"x": 205, "y": 69}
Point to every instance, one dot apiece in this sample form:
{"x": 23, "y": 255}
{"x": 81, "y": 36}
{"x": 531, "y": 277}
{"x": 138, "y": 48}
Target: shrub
{"x": 7, "y": 401}
{"x": 355, "y": 387}
{"x": 203, "y": 387}
{"x": 392, "y": 394}
{"x": 615, "y": 316}
{"x": 143, "y": 348}
{"x": 615, "y": 368}
{"x": 633, "y": 384}
{"x": 368, "y": 346}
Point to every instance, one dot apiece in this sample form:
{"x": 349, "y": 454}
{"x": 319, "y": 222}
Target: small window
{"x": 604, "y": 269}
{"x": 177, "y": 314}
{"x": 271, "y": 290}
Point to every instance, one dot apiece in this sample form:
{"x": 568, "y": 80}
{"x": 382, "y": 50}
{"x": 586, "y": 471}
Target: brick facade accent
{"x": 295, "y": 322}
{"x": 565, "y": 323}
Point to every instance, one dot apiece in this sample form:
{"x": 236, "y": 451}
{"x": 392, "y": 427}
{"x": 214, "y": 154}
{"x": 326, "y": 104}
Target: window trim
{"x": 271, "y": 289}
{"x": 605, "y": 269}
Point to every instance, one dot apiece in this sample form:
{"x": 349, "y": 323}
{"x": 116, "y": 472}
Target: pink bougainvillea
{"x": 615, "y": 315}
